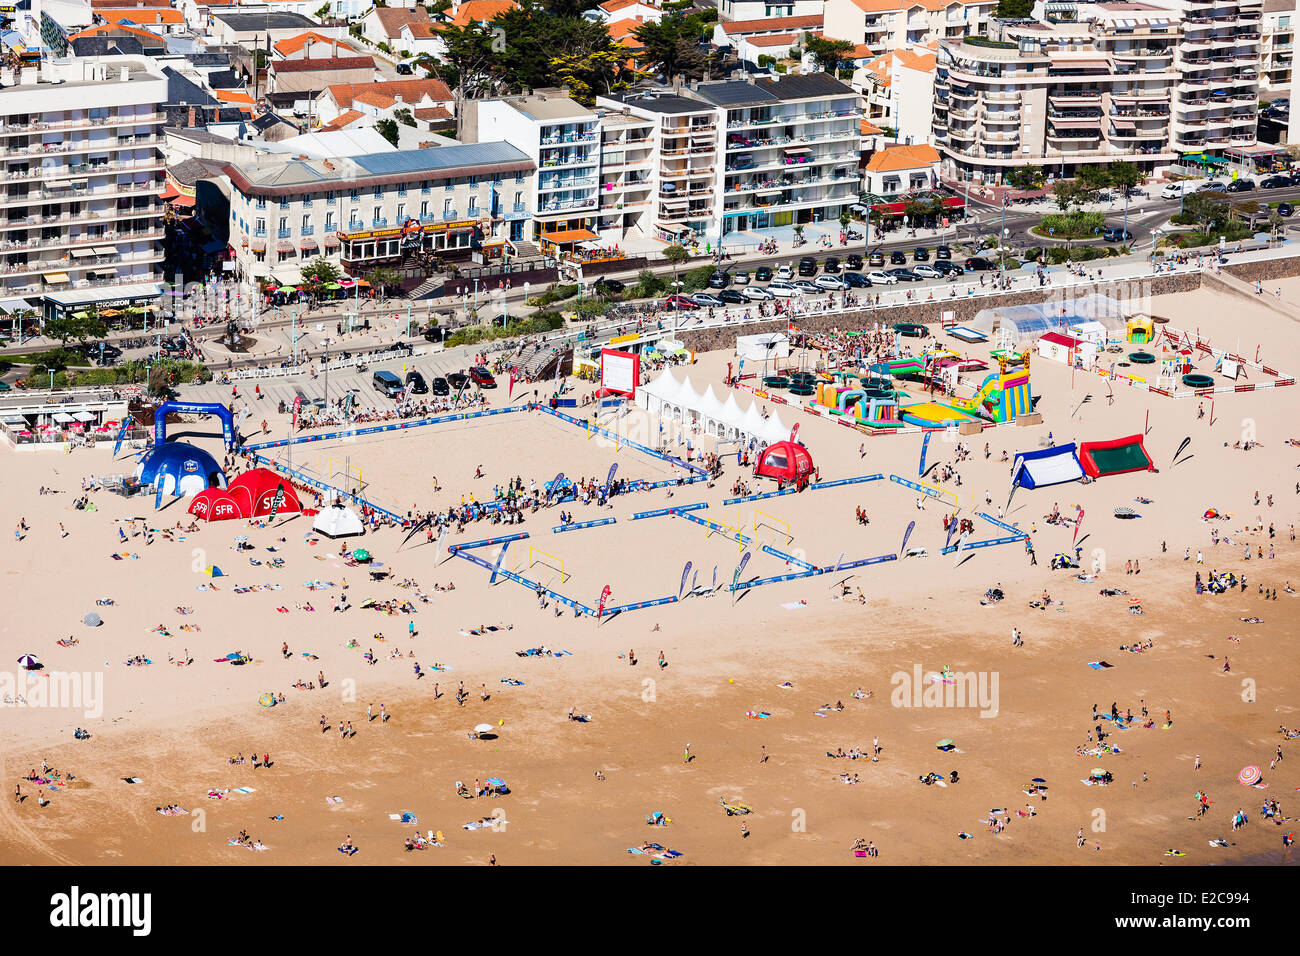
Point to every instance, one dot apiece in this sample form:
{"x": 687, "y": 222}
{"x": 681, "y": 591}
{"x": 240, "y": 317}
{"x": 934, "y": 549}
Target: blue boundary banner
{"x": 759, "y": 497}
{"x": 486, "y": 542}
{"x": 759, "y": 582}
{"x": 863, "y": 562}
{"x": 797, "y": 562}
{"x": 583, "y": 524}
{"x": 387, "y": 427}
{"x": 928, "y": 492}
{"x": 589, "y": 427}
{"x": 991, "y": 543}
{"x": 531, "y": 585}
{"x": 321, "y": 486}
{"x": 1002, "y": 524}
{"x": 657, "y": 602}
{"x": 844, "y": 481}
{"x": 715, "y": 526}
{"x": 662, "y": 512}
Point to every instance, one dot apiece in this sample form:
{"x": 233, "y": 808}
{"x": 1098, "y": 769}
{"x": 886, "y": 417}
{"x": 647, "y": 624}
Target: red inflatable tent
{"x": 1115, "y": 457}
{"x": 785, "y": 461}
{"x": 221, "y": 504}
{"x": 261, "y": 485}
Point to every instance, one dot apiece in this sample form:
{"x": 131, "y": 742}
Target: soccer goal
{"x": 554, "y": 570}
{"x": 777, "y": 530}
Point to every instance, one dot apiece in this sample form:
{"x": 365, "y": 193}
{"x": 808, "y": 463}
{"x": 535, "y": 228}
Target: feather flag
{"x": 906, "y": 534}
{"x": 686, "y": 571}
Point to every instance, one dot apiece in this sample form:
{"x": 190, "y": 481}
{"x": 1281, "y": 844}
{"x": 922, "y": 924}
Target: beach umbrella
{"x": 28, "y": 662}
{"x": 267, "y": 700}
{"x": 1098, "y": 772}
{"x": 1124, "y": 512}
{"x": 495, "y": 782}
{"x": 1249, "y": 776}
{"x": 483, "y": 729}
{"x": 213, "y": 571}
{"x": 946, "y": 742}
{"x": 360, "y": 554}
{"x": 1038, "y": 780}
{"x": 92, "y": 620}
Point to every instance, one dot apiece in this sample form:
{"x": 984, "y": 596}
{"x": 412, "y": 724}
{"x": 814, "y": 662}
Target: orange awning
{"x": 565, "y": 236}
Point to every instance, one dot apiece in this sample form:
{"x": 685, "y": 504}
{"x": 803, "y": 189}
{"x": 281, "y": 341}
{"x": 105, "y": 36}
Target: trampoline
{"x": 1141, "y": 358}
{"x": 804, "y": 378}
{"x": 879, "y": 393}
{"x": 801, "y": 389}
{"x": 910, "y": 330}
{"x": 776, "y": 381}
{"x": 1198, "y": 380}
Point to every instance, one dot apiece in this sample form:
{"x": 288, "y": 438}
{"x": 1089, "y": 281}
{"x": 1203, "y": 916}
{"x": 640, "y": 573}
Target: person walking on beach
{"x": 1197, "y": 764}
{"x": 686, "y": 754}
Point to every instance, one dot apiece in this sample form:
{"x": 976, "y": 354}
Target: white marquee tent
{"x": 676, "y": 401}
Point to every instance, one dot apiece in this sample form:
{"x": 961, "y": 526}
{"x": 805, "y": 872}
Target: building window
{"x": 473, "y": 205}
{"x": 401, "y": 213}
{"x": 329, "y": 221}
{"x": 379, "y": 192}
{"x": 424, "y": 209}
{"x": 354, "y": 194}
{"x": 519, "y": 177}
{"x": 519, "y": 197}
{"x": 306, "y": 223}
{"x": 446, "y": 207}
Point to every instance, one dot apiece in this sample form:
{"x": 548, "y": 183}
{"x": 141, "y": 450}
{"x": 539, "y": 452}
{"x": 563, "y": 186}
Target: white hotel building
{"x": 80, "y": 219}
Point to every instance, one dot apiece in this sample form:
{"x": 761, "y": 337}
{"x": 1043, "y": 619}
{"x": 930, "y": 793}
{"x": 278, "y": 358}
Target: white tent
{"x": 754, "y": 425}
{"x": 653, "y": 395}
{"x": 711, "y": 412}
{"x": 338, "y": 522}
{"x": 776, "y": 429}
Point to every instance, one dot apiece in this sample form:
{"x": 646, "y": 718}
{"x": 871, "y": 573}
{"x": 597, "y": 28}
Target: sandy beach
{"x": 581, "y": 792}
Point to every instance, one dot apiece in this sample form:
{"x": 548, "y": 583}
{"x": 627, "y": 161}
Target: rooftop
{"x": 254, "y": 22}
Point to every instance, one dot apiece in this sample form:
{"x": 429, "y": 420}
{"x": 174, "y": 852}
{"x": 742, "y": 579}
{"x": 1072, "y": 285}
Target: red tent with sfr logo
{"x": 261, "y": 485}
{"x": 221, "y": 504}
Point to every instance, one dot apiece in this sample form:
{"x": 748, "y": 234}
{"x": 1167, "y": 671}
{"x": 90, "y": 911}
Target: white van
{"x": 1178, "y": 188}
{"x": 783, "y": 289}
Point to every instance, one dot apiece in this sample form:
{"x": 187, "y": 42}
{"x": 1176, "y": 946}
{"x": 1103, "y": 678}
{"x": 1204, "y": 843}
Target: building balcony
{"x": 988, "y": 136}
{"x": 1002, "y": 116}
{"x": 39, "y": 126}
{"x": 554, "y": 185}
{"x": 284, "y": 233}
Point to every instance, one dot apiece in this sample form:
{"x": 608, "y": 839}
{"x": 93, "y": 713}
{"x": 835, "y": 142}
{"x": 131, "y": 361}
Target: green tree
{"x": 404, "y": 117}
{"x": 1014, "y": 9}
{"x": 1125, "y": 176}
{"x": 672, "y": 46}
{"x": 320, "y": 271}
{"x": 1067, "y": 193}
{"x": 1205, "y": 209}
{"x": 387, "y": 128}
{"x": 676, "y": 254}
{"x": 70, "y": 328}
{"x": 469, "y": 65}
{"x": 827, "y": 54}
{"x": 527, "y": 40}
{"x": 1092, "y": 179}
{"x": 1026, "y": 177}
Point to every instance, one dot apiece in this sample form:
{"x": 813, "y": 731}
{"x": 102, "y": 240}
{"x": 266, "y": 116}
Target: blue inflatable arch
{"x": 193, "y": 408}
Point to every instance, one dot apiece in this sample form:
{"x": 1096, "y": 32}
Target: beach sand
{"x": 174, "y": 727}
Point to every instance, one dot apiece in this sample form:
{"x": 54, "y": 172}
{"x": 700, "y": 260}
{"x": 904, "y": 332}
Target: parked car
{"x": 898, "y": 258}
{"x": 457, "y": 380}
{"x": 439, "y": 386}
{"x": 762, "y": 274}
{"x": 1243, "y": 185}
{"x": 927, "y": 271}
{"x": 856, "y": 280}
{"x": 740, "y": 278}
{"x": 1285, "y": 209}
{"x": 706, "y": 299}
{"x": 783, "y": 288}
{"x": 904, "y": 275}
{"x": 1275, "y": 182}
{"x": 831, "y": 265}
{"x": 755, "y": 293}
{"x": 876, "y": 259}
{"x": 942, "y": 252}
{"x": 808, "y": 286}
{"x": 1116, "y": 234}
{"x": 731, "y": 295}
{"x": 679, "y": 302}
{"x": 415, "y": 384}
{"x": 1176, "y": 189}
{"x": 878, "y": 277}
{"x": 979, "y": 264}
{"x": 948, "y": 268}
{"x": 719, "y": 280}
{"x": 604, "y": 285}
{"x": 1213, "y": 186}
{"x": 807, "y": 266}
{"x": 920, "y": 254}
{"x": 386, "y": 384}
{"x": 785, "y": 273}
{"x": 853, "y": 262}
{"x": 830, "y": 282}
{"x": 481, "y": 377}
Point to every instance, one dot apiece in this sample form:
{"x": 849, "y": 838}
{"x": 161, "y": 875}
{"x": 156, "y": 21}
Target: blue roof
{"x": 439, "y": 157}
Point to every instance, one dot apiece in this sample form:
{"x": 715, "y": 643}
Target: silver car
{"x": 755, "y": 293}
{"x": 927, "y": 272}
{"x": 879, "y": 277}
{"x": 830, "y": 282}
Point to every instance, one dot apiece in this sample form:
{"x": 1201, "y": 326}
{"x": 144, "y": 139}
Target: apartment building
{"x": 898, "y": 90}
{"x": 882, "y": 25}
{"x": 562, "y": 138}
{"x": 1094, "y": 87}
{"x": 370, "y": 210}
{"x": 80, "y": 149}
{"x": 628, "y": 161}
{"x": 791, "y": 148}
{"x": 679, "y": 163}
{"x": 766, "y": 9}
{"x": 1277, "y": 45}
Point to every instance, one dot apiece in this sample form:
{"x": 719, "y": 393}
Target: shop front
{"x": 126, "y": 300}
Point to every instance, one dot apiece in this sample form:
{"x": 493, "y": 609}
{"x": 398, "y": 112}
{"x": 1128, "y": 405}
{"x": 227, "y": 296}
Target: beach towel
{"x": 245, "y": 790}
{"x": 347, "y": 850}
{"x": 757, "y": 714}
{"x": 333, "y": 799}
{"x": 132, "y": 780}
{"x": 794, "y": 606}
